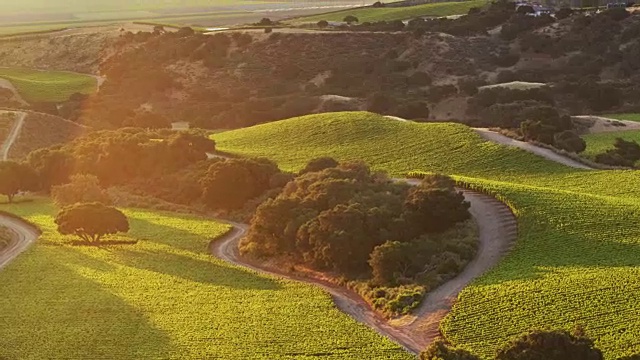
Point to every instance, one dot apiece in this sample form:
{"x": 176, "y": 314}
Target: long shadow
{"x": 50, "y": 311}
{"x": 201, "y": 267}
{"x": 195, "y": 270}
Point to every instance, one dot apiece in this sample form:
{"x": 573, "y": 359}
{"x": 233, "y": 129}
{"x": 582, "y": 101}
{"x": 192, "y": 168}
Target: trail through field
{"x": 13, "y": 135}
{"x": 4, "y": 83}
{"x": 497, "y": 232}
{"x": 545, "y": 153}
{"x": 23, "y": 235}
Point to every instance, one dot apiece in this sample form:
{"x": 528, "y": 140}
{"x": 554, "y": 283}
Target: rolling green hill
{"x": 164, "y": 298}
{"x": 48, "y": 86}
{"x": 397, "y": 13}
{"x": 576, "y": 261}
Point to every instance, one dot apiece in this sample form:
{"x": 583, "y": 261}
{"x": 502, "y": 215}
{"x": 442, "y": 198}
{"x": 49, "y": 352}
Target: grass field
{"x": 577, "y": 260}
{"x": 601, "y": 142}
{"x": 164, "y": 298}
{"x": 49, "y": 86}
{"x": 397, "y": 13}
{"x": 628, "y": 116}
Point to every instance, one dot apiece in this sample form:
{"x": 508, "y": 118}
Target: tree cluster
{"x": 533, "y": 345}
{"x": 357, "y": 223}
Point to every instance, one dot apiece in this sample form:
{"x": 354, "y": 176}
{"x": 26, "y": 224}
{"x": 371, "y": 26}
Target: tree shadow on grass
{"x": 188, "y": 268}
{"x": 51, "y": 311}
{"x": 186, "y": 255}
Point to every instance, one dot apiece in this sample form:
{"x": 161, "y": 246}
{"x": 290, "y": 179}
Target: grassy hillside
{"x": 576, "y": 260}
{"x": 48, "y": 86}
{"x": 397, "y": 13}
{"x": 164, "y": 298}
{"x": 599, "y": 143}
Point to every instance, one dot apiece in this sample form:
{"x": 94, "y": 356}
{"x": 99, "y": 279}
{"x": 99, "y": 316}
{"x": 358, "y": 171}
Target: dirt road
{"x": 599, "y": 124}
{"x": 545, "y": 153}
{"x": 13, "y": 135}
{"x": 23, "y": 236}
{"x": 498, "y": 230}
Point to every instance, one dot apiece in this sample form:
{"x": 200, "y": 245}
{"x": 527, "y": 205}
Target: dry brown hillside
{"x": 43, "y": 131}
{"x": 80, "y": 50}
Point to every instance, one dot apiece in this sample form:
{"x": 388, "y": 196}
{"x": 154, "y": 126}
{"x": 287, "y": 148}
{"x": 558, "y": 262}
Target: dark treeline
{"x": 532, "y": 345}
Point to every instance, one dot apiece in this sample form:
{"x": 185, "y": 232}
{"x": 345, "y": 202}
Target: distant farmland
{"x": 398, "y": 13}
{"x": 39, "y": 15}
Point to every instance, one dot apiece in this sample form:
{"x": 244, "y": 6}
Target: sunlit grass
{"x": 164, "y": 298}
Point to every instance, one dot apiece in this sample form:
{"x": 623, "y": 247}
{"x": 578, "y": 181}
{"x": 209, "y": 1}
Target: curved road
{"x": 497, "y": 229}
{"x": 545, "y": 153}
{"x": 497, "y": 232}
{"x": 23, "y": 236}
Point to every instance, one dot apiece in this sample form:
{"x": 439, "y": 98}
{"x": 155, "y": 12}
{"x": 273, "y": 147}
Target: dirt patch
{"x": 589, "y": 124}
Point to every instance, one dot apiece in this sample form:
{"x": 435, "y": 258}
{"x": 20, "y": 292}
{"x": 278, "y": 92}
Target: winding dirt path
{"x": 23, "y": 236}
{"x": 497, "y": 229}
{"x": 545, "y": 153}
{"x": 13, "y": 135}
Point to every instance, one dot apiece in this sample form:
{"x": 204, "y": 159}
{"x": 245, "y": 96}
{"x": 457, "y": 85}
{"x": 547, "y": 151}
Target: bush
{"x": 82, "y": 189}
{"x": 625, "y": 153}
{"x": 533, "y": 130}
{"x": 350, "y": 19}
{"x": 550, "y": 345}
{"x": 322, "y": 24}
{"x": 91, "y": 221}
{"x": 390, "y": 261}
{"x": 525, "y": 9}
{"x": 416, "y": 110}
{"x": 439, "y": 350}
{"x": 564, "y": 13}
{"x": 319, "y": 164}
{"x": 230, "y": 183}
{"x": 433, "y": 210}
{"x": 569, "y": 141}
{"x": 16, "y": 177}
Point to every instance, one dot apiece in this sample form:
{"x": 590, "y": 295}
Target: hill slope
{"x": 576, "y": 231}
{"x": 42, "y": 131}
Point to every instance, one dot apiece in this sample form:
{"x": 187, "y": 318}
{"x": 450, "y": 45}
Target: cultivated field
{"x": 601, "y": 142}
{"x": 48, "y": 86}
{"x": 164, "y": 298}
{"x": 576, "y": 260}
{"x": 40, "y": 15}
{"x": 397, "y": 13}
